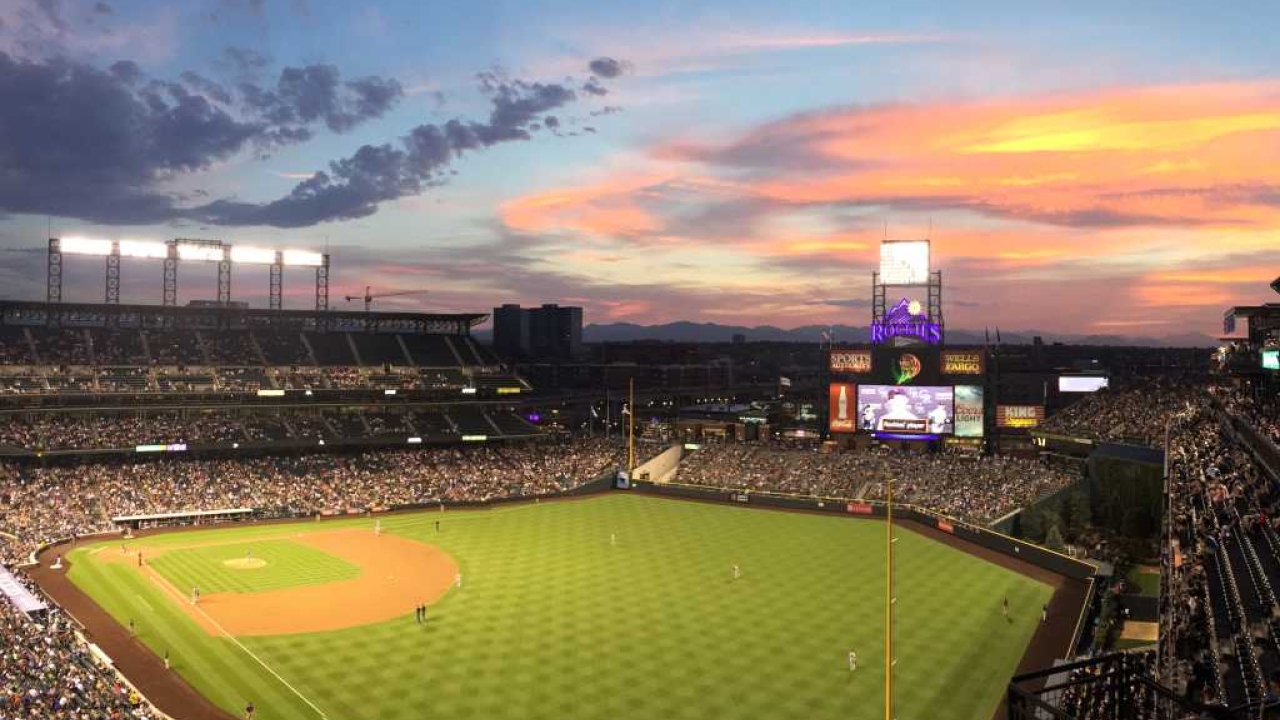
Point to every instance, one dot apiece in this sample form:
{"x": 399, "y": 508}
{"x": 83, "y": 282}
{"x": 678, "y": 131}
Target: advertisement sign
{"x": 907, "y": 319}
{"x": 1081, "y": 383}
{"x": 855, "y": 508}
{"x": 962, "y": 362}
{"x": 906, "y": 367}
{"x": 1019, "y": 416}
{"x": 904, "y": 262}
{"x": 1271, "y": 359}
{"x": 841, "y": 405}
{"x": 850, "y": 361}
{"x": 969, "y": 411}
{"x": 946, "y": 527}
{"x": 908, "y": 410}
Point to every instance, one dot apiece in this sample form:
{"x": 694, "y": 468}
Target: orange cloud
{"x": 1126, "y": 188}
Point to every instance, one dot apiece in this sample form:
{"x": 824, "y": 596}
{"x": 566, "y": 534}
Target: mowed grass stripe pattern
{"x": 553, "y": 621}
{"x": 288, "y": 564}
{"x": 219, "y": 669}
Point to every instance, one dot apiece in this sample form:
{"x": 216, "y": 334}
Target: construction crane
{"x": 369, "y": 296}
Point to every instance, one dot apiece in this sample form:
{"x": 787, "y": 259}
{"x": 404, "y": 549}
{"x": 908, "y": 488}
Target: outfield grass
{"x": 554, "y": 622}
{"x": 288, "y": 564}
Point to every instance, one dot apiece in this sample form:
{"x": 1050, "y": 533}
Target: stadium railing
{"x": 1118, "y": 686}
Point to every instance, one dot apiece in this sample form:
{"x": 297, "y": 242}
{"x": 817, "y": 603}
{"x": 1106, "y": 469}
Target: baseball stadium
{"x": 215, "y": 512}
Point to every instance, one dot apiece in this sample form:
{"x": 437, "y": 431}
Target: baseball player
{"x": 737, "y": 572}
{"x": 853, "y": 660}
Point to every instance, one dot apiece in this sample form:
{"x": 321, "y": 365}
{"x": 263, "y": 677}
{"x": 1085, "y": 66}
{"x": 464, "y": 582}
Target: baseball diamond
{"x": 613, "y": 606}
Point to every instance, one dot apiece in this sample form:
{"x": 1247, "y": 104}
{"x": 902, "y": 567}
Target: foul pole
{"x": 888, "y": 601}
{"x": 631, "y": 427}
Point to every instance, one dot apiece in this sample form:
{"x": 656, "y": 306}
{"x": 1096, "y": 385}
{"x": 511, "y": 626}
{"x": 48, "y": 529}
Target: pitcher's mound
{"x": 245, "y": 563}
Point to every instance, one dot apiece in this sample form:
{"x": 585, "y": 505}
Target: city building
{"x": 550, "y": 332}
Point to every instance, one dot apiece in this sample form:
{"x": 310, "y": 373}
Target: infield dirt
{"x": 396, "y": 575}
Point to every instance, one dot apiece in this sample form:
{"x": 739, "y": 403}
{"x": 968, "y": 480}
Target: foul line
{"x": 173, "y": 592}
{"x": 268, "y": 668}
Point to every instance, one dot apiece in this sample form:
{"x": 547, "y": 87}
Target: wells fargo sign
{"x": 961, "y": 362}
{"x": 850, "y": 361}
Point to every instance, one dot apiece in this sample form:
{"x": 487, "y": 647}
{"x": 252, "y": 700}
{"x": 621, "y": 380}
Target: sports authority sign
{"x": 850, "y": 361}
{"x": 1019, "y": 416}
{"x": 961, "y": 362}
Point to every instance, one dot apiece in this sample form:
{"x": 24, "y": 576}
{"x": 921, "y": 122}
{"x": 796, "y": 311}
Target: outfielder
{"x": 853, "y": 660}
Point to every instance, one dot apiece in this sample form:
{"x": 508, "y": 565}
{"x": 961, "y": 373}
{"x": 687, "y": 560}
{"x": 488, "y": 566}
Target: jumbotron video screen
{"x": 914, "y": 409}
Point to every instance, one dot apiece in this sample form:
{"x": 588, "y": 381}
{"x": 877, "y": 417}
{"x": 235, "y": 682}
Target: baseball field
{"x": 616, "y": 607}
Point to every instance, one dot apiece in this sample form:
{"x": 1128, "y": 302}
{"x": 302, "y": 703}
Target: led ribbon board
{"x": 906, "y": 319}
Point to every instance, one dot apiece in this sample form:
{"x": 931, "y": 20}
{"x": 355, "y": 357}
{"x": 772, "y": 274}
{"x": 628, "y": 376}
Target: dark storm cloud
{"x": 75, "y": 140}
{"x": 207, "y": 87}
{"x": 304, "y": 95}
{"x": 78, "y": 141}
{"x": 83, "y": 142}
{"x": 593, "y": 87}
{"x": 606, "y": 67}
{"x": 353, "y": 187}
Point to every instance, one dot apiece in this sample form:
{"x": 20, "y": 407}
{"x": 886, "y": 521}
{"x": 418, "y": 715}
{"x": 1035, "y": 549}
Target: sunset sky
{"x": 1096, "y": 168}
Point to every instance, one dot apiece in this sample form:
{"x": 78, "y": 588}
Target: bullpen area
{"x": 613, "y": 607}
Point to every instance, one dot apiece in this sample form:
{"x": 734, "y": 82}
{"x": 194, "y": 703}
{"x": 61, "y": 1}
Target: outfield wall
{"x": 1040, "y": 557}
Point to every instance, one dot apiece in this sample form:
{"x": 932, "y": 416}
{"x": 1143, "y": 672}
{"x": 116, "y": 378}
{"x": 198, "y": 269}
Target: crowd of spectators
{"x": 1219, "y": 635}
{"x": 47, "y": 672}
{"x": 975, "y": 488}
{"x": 42, "y": 503}
{"x": 1136, "y": 414}
{"x": 116, "y": 430}
{"x": 1259, "y": 409}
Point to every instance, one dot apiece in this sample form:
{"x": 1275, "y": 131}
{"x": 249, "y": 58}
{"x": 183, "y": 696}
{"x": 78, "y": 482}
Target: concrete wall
{"x": 662, "y": 467}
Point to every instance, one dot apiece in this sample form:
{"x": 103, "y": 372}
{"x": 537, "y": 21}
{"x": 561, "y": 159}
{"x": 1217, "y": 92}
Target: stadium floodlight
{"x": 85, "y": 246}
{"x": 145, "y": 249}
{"x": 203, "y": 253}
{"x": 255, "y": 255}
{"x": 303, "y": 257}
